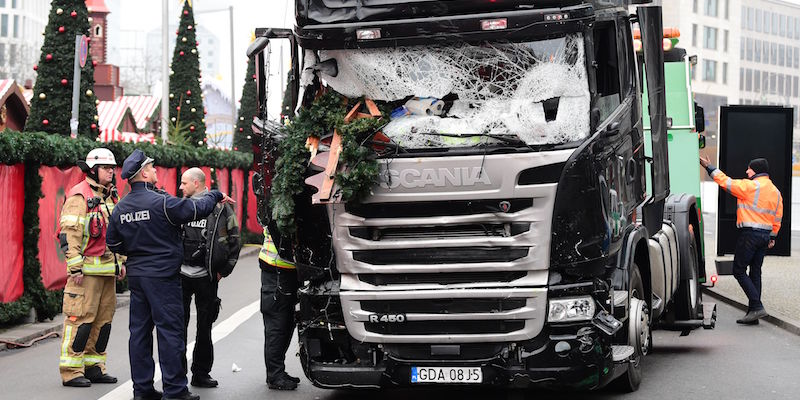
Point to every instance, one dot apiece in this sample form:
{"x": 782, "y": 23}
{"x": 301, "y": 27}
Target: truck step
{"x": 620, "y": 353}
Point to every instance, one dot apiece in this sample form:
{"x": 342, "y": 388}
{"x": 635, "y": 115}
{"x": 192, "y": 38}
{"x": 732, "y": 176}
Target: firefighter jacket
{"x": 269, "y": 254}
{"x": 83, "y": 227}
{"x": 146, "y": 227}
{"x": 759, "y": 204}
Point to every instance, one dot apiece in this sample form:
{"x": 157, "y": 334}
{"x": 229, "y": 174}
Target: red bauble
{"x": 48, "y": 57}
{"x": 45, "y": 122}
{"x": 185, "y": 12}
{"x": 241, "y": 129}
{"x": 93, "y": 126}
{"x": 197, "y": 43}
{"x": 94, "y": 63}
{"x": 178, "y": 108}
{"x": 188, "y": 92}
{"x": 205, "y": 111}
{"x": 176, "y": 31}
{"x": 254, "y": 76}
{"x": 189, "y": 27}
{"x": 35, "y": 67}
{"x": 61, "y": 29}
{"x": 64, "y": 82}
{"x": 73, "y": 14}
{"x": 191, "y": 128}
{"x": 181, "y": 53}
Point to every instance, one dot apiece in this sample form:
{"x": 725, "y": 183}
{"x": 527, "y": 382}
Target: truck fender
{"x": 681, "y": 209}
{"x": 635, "y": 248}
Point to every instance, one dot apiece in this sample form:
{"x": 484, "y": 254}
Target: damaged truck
{"x": 473, "y": 193}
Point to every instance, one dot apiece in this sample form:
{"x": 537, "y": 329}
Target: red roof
{"x": 97, "y": 6}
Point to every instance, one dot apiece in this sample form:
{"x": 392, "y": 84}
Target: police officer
{"x": 278, "y": 297}
{"x": 759, "y": 210}
{"x": 90, "y": 294}
{"x": 146, "y": 226}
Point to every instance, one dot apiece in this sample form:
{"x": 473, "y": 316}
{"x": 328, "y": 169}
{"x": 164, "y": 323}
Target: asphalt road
{"x": 730, "y": 362}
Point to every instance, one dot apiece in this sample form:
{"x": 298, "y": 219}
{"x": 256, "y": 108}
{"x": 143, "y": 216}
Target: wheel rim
{"x": 639, "y": 333}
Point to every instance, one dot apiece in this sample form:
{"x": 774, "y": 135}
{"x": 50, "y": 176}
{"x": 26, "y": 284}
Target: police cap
{"x": 134, "y": 163}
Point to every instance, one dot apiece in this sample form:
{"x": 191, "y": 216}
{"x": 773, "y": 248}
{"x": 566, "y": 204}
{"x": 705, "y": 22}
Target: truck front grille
{"x": 442, "y": 306}
{"x": 445, "y": 328}
{"x": 453, "y": 255}
{"x": 442, "y": 278}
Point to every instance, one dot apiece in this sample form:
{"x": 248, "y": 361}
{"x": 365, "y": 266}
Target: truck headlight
{"x": 571, "y": 309}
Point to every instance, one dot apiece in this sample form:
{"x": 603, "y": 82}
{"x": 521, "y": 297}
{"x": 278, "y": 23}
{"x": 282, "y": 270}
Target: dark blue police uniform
{"x": 146, "y": 226}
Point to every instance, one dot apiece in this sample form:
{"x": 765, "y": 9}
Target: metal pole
{"x": 233, "y": 81}
{"x": 76, "y": 87}
{"x": 164, "y": 70}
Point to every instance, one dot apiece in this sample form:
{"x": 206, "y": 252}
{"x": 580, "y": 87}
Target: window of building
{"x": 783, "y": 25}
{"x": 758, "y": 20}
{"x": 795, "y": 87}
{"x": 765, "y": 82}
{"x": 4, "y": 25}
{"x": 780, "y": 85}
{"x": 710, "y": 38}
{"x": 98, "y": 31}
{"x": 789, "y": 28}
{"x": 12, "y": 54}
{"x": 781, "y": 55}
{"x": 711, "y": 8}
{"x": 796, "y": 57}
{"x": 709, "y": 70}
{"x": 748, "y": 80}
{"x": 788, "y": 56}
{"x": 750, "y": 19}
{"x": 694, "y": 6}
{"x": 797, "y": 28}
{"x": 16, "y": 26}
{"x": 725, "y": 41}
{"x": 741, "y": 49}
{"x": 773, "y": 53}
{"x": 757, "y": 51}
{"x": 727, "y": 8}
{"x": 694, "y": 35}
{"x": 2, "y": 3}
{"x": 13, "y": 3}
{"x": 775, "y": 23}
{"x": 741, "y": 79}
{"x": 744, "y": 17}
{"x": 773, "y": 83}
{"x": 2, "y": 54}
{"x": 756, "y": 80}
{"x": 693, "y": 72}
{"x": 766, "y": 21}
{"x": 749, "y": 49}
{"x": 724, "y": 73}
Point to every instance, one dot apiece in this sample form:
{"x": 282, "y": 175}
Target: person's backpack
{"x": 223, "y": 242}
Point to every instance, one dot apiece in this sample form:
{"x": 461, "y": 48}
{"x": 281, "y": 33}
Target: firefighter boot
{"x": 96, "y": 375}
{"x": 77, "y": 382}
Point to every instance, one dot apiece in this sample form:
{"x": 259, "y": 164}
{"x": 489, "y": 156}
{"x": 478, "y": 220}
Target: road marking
{"x": 223, "y": 329}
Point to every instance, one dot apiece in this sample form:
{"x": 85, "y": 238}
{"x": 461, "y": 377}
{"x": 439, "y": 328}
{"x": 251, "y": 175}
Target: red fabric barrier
{"x": 252, "y": 207}
{"x": 223, "y": 180}
{"x": 12, "y": 196}
{"x": 237, "y": 191}
{"x": 56, "y": 183}
{"x": 122, "y": 185}
{"x": 168, "y": 179}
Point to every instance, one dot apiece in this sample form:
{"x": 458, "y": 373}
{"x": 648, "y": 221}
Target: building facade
{"x": 21, "y": 25}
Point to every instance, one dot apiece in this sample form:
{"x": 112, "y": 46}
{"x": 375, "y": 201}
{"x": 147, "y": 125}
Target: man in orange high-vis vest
{"x": 90, "y": 294}
{"x": 278, "y": 298}
{"x": 759, "y": 209}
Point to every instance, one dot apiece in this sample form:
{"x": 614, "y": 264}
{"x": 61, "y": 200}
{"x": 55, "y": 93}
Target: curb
{"x": 28, "y": 332}
{"x": 778, "y": 320}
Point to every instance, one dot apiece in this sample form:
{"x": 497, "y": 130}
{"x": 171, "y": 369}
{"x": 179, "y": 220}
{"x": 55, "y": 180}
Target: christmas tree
{"x": 51, "y": 105}
{"x": 243, "y": 130}
{"x": 185, "y": 97}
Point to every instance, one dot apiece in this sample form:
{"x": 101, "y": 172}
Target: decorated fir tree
{"x": 51, "y": 105}
{"x": 248, "y": 107}
{"x": 185, "y": 96}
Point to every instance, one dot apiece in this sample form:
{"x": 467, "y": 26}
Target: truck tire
{"x": 639, "y": 334}
{"x": 689, "y": 299}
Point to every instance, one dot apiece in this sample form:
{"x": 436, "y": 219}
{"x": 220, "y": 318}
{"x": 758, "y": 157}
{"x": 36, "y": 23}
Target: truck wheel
{"x": 639, "y": 334}
{"x": 689, "y": 299}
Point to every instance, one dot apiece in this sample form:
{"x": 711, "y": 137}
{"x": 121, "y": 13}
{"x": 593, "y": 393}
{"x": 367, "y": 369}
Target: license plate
{"x": 446, "y": 375}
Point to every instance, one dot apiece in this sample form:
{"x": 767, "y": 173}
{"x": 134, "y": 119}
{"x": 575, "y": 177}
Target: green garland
{"x": 360, "y": 167}
{"x": 62, "y": 151}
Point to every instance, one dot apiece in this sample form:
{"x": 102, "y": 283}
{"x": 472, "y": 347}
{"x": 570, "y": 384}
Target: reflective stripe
{"x": 67, "y": 361}
{"x": 756, "y": 209}
{"x": 72, "y": 219}
{"x": 92, "y": 265}
{"x": 728, "y": 184}
{"x": 715, "y": 173}
{"x": 74, "y": 261}
{"x": 269, "y": 254}
{"x": 92, "y": 360}
{"x": 758, "y": 193}
{"x": 756, "y": 225}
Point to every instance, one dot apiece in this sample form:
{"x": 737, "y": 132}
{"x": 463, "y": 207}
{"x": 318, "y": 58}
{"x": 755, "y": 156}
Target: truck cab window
{"x": 606, "y": 59}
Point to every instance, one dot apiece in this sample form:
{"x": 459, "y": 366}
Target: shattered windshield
{"x": 537, "y": 91}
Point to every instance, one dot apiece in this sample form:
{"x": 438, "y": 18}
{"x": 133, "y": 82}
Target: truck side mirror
{"x": 699, "y": 118}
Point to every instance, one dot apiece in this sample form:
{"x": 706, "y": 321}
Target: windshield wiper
{"x": 510, "y": 140}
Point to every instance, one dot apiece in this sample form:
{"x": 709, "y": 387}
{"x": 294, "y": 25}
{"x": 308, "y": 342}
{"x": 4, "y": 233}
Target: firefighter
{"x": 146, "y": 226}
{"x": 759, "y": 210}
{"x": 278, "y": 298}
{"x": 90, "y": 293}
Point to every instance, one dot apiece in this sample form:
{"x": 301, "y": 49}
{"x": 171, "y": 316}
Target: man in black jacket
{"x": 210, "y": 250}
{"x": 146, "y": 226}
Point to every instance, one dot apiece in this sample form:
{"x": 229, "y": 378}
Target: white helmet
{"x": 100, "y": 156}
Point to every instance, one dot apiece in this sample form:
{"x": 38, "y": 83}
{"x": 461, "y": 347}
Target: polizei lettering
{"x": 197, "y": 224}
{"x": 436, "y": 177}
{"x": 136, "y": 216}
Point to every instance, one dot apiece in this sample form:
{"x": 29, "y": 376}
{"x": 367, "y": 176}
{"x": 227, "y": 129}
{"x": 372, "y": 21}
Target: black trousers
{"x": 278, "y": 298}
{"x": 750, "y": 250}
{"x": 207, "y": 303}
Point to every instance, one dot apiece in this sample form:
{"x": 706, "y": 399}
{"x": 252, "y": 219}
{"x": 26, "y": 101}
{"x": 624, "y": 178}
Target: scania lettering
{"x": 523, "y": 230}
